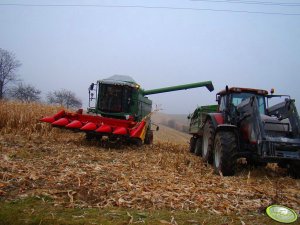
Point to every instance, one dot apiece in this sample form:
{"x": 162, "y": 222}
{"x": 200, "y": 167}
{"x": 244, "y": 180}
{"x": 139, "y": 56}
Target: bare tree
{"x": 8, "y": 67}
{"x": 25, "y": 93}
{"x": 64, "y": 98}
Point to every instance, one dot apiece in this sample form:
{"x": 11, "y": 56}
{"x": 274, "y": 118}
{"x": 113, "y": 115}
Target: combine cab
{"x": 118, "y": 109}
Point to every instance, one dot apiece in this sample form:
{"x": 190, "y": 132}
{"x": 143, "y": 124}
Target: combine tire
{"x": 149, "y": 137}
{"x": 198, "y": 147}
{"x": 207, "y": 142}
{"x": 225, "y": 148}
{"x": 137, "y": 142}
{"x": 192, "y": 144}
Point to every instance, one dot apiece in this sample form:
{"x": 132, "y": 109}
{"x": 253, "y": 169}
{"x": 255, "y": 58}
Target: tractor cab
{"x": 232, "y": 97}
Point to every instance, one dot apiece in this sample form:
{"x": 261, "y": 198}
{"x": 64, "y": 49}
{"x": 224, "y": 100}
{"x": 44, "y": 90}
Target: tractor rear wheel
{"x": 208, "y": 142}
{"x": 192, "y": 144}
{"x": 225, "y": 149}
{"x": 198, "y": 147}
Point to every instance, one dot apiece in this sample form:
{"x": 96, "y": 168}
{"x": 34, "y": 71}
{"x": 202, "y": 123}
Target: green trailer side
{"x": 197, "y": 118}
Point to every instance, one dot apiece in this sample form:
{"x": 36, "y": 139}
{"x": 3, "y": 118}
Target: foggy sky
{"x": 71, "y": 47}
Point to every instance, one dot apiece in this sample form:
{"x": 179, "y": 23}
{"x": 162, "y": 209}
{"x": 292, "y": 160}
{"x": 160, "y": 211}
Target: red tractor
{"x": 244, "y": 125}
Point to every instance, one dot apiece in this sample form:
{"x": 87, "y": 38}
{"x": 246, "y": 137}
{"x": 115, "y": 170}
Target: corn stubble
{"x": 37, "y": 160}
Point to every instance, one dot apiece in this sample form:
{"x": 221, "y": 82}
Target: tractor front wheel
{"x": 225, "y": 149}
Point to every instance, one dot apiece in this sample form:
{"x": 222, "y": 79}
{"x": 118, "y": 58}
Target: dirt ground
{"x": 75, "y": 172}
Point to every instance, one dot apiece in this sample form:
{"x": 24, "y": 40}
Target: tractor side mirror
{"x": 92, "y": 86}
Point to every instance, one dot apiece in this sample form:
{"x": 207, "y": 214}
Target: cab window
{"x": 237, "y": 98}
{"x": 222, "y": 106}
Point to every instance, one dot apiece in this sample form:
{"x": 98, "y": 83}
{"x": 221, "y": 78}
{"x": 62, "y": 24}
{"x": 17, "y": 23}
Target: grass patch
{"x": 41, "y": 210}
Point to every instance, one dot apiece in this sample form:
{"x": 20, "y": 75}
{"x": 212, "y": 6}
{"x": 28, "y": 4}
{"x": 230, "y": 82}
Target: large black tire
{"x": 137, "y": 142}
{"x": 149, "y": 137}
{"x": 192, "y": 144}
{"x": 225, "y": 149}
{"x": 198, "y": 146}
{"x": 208, "y": 142}
{"x": 294, "y": 169}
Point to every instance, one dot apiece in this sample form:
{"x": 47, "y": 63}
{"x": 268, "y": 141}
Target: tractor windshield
{"x": 237, "y": 98}
{"x": 114, "y": 98}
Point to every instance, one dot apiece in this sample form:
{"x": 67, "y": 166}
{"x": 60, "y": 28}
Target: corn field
{"x": 38, "y": 160}
{"x": 23, "y": 117}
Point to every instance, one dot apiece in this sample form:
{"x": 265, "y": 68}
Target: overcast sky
{"x": 71, "y": 46}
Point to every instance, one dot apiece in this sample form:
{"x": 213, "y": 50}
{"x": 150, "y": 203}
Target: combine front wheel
{"x": 149, "y": 137}
{"x": 225, "y": 148}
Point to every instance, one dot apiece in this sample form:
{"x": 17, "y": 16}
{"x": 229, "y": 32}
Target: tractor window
{"x": 222, "y": 106}
{"x": 237, "y": 98}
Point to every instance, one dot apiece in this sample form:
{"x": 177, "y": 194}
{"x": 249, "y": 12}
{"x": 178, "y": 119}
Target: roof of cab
{"x": 247, "y": 90}
{"x": 119, "y": 80}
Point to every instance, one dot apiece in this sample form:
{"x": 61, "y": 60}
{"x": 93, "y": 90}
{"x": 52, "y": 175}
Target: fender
{"x": 218, "y": 123}
{"x": 226, "y": 127}
{"x": 216, "y": 118}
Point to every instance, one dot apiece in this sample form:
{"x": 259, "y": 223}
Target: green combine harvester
{"x": 119, "y": 109}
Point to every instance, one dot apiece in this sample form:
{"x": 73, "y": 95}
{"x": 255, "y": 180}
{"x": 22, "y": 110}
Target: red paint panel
{"x": 89, "y": 127}
{"x": 61, "y": 122}
{"x": 219, "y": 118}
{"x": 136, "y": 132}
{"x": 120, "y": 131}
{"x": 48, "y": 119}
{"x": 74, "y": 124}
{"x": 59, "y": 115}
{"x": 104, "y": 129}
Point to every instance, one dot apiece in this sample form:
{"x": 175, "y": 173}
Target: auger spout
{"x": 207, "y": 84}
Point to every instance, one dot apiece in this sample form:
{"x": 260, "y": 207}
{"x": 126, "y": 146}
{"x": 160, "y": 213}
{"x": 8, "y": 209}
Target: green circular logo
{"x": 281, "y": 214}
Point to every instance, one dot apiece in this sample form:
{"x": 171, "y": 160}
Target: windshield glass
{"x": 114, "y": 98}
{"x": 237, "y": 98}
